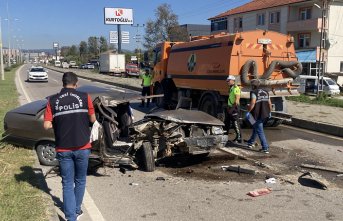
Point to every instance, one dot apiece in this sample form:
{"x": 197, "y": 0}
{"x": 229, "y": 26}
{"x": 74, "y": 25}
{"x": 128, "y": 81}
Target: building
{"x": 197, "y": 30}
{"x": 308, "y": 21}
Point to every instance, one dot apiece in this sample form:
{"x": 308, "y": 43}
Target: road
{"x": 201, "y": 190}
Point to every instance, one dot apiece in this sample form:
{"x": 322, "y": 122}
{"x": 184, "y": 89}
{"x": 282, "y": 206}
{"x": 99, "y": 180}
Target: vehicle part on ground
{"x": 147, "y": 157}
{"x": 46, "y": 153}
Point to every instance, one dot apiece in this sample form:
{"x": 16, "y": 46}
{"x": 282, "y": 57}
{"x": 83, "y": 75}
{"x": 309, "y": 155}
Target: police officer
{"x": 146, "y": 82}
{"x": 233, "y": 110}
{"x": 260, "y": 108}
{"x": 69, "y": 113}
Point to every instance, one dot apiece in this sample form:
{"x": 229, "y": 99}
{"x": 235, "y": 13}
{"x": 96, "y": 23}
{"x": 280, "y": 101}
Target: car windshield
{"x": 37, "y": 70}
{"x": 330, "y": 82}
{"x": 131, "y": 66}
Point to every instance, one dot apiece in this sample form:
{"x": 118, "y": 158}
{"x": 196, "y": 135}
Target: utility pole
{"x": 1, "y": 56}
{"x": 321, "y": 58}
{"x": 138, "y": 41}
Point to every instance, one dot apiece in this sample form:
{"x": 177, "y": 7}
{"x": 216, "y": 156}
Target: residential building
{"x": 197, "y": 30}
{"x": 308, "y": 21}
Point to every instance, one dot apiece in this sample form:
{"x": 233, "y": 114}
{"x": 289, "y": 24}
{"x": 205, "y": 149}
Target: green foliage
{"x": 165, "y": 27}
{"x": 20, "y": 195}
{"x": 322, "y": 99}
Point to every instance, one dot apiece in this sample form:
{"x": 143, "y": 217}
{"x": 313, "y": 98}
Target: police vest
{"x": 261, "y": 109}
{"x": 146, "y": 80}
{"x": 70, "y": 118}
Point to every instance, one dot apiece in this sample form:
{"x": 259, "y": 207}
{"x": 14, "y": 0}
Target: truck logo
{"x": 192, "y": 61}
{"x": 119, "y": 12}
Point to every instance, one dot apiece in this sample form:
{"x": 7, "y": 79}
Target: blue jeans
{"x": 73, "y": 168}
{"x": 258, "y": 131}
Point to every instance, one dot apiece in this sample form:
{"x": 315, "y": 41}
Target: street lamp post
{"x": 138, "y": 38}
{"x": 1, "y": 56}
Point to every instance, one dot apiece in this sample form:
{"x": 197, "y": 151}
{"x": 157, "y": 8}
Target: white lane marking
{"x": 21, "y": 85}
{"x": 55, "y": 80}
{"x": 92, "y": 209}
{"x": 312, "y": 132}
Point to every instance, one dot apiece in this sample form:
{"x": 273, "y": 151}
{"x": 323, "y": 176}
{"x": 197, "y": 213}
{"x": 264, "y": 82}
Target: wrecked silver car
{"x": 121, "y": 141}
{"x": 158, "y": 135}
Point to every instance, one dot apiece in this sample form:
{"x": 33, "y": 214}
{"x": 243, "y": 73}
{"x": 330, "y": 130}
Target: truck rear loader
{"x": 111, "y": 63}
{"x": 197, "y": 70}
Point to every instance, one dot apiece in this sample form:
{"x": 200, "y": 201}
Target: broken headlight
{"x": 217, "y": 130}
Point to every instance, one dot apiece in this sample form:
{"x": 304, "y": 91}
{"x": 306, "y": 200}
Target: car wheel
{"x": 208, "y": 105}
{"x": 47, "y": 154}
{"x": 147, "y": 160}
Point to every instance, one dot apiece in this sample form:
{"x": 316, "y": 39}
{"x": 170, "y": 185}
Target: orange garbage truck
{"x": 196, "y": 71}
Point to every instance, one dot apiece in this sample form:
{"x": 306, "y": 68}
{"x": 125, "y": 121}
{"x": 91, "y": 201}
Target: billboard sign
{"x": 55, "y": 45}
{"x": 125, "y": 37}
{"x": 118, "y": 16}
{"x": 113, "y": 37}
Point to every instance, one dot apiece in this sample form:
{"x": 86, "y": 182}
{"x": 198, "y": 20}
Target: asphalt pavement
{"x": 135, "y": 195}
{"x": 320, "y": 118}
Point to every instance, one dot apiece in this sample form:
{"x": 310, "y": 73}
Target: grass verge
{"x": 321, "y": 100}
{"x": 20, "y": 195}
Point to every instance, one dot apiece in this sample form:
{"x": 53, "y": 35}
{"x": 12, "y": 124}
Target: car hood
{"x": 186, "y": 116}
{"x": 37, "y": 72}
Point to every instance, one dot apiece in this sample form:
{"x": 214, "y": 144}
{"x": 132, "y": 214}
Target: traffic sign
{"x": 125, "y": 37}
{"x": 113, "y": 37}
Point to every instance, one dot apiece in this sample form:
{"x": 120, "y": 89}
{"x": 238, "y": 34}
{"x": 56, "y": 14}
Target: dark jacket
{"x": 261, "y": 109}
{"x": 70, "y": 118}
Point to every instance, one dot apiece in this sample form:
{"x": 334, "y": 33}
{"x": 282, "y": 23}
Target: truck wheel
{"x": 277, "y": 122}
{"x": 159, "y": 100}
{"x": 207, "y": 105}
{"x": 147, "y": 157}
{"x": 46, "y": 153}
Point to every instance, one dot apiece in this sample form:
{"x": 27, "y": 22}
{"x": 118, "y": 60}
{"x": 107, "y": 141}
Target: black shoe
{"x": 78, "y": 215}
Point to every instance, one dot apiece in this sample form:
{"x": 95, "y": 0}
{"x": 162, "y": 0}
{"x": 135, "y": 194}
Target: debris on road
{"x": 133, "y": 184}
{"x": 271, "y": 180}
{"x": 339, "y": 175}
{"x": 260, "y": 192}
{"x": 123, "y": 170}
{"x": 315, "y": 167}
{"x": 160, "y": 178}
{"x": 239, "y": 169}
{"x": 311, "y": 179}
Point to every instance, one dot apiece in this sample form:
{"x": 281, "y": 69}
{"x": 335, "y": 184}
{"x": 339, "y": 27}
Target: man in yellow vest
{"x": 233, "y": 110}
{"x": 146, "y": 82}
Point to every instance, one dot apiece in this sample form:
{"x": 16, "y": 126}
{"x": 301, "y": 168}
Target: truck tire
{"x": 208, "y": 105}
{"x": 46, "y": 153}
{"x": 159, "y": 100}
{"x": 147, "y": 160}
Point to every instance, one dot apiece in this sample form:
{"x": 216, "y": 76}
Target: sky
{"x": 37, "y": 24}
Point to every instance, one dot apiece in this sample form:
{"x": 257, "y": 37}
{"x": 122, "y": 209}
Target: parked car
{"x": 57, "y": 64}
{"x": 132, "y": 70}
{"x": 308, "y": 85}
{"x": 158, "y": 135}
{"x": 87, "y": 66}
{"x": 72, "y": 64}
{"x": 37, "y": 74}
{"x": 65, "y": 65}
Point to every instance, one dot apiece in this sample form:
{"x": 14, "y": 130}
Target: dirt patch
{"x": 281, "y": 163}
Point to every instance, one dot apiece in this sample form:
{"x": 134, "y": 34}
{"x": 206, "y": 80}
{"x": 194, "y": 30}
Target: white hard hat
{"x": 230, "y": 77}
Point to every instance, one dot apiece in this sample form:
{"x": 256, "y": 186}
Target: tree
{"x": 64, "y": 51}
{"x": 93, "y": 46}
{"x": 103, "y": 44}
{"x": 83, "y": 51}
{"x": 164, "y": 28}
{"x": 73, "y": 51}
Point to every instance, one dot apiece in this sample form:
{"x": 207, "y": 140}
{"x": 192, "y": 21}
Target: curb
{"x": 52, "y": 213}
{"x": 316, "y": 126}
{"x": 296, "y": 122}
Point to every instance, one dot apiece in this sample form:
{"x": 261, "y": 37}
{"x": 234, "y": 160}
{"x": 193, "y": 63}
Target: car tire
{"x": 46, "y": 153}
{"x": 147, "y": 157}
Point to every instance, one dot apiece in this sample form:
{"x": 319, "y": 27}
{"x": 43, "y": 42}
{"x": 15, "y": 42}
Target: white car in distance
{"x": 37, "y": 74}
